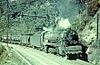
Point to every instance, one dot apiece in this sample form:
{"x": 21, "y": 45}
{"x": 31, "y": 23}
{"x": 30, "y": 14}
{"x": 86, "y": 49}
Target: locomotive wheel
{"x": 53, "y": 50}
{"x": 57, "y": 50}
{"x": 46, "y": 48}
{"x": 42, "y": 48}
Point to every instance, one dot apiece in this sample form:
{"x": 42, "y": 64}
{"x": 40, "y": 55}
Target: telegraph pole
{"x": 1, "y": 9}
{"x": 98, "y": 29}
{"x": 97, "y": 25}
{"x": 7, "y": 21}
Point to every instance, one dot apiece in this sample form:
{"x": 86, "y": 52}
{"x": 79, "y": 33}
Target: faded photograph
{"x": 49, "y": 32}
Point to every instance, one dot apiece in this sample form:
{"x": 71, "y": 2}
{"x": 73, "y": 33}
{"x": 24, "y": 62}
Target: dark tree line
{"x": 92, "y": 6}
{"x": 26, "y": 12}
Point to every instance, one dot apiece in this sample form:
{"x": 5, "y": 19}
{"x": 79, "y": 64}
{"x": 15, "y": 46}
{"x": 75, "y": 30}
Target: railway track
{"x": 23, "y": 58}
{"x": 38, "y": 58}
{"x": 32, "y": 56}
{"x": 42, "y": 59}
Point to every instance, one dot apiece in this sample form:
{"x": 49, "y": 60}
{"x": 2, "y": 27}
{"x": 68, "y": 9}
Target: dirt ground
{"x": 9, "y": 57}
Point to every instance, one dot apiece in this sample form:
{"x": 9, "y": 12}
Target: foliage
{"x": 30, "y": 14}
{"x": 75, "y": 24}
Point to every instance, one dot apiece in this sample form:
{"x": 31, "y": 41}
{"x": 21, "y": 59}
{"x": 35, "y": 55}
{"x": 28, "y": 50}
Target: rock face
{"x": 89, "y": 32}
{"x": 89, "y": 35}
{"x": 93, "y": 55}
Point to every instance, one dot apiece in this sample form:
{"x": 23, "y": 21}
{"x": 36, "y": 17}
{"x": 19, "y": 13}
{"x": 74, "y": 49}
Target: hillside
{"x": 88, "y": 37}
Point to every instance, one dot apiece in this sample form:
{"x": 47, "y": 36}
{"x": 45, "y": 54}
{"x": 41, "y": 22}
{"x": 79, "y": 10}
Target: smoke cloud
{"x": 64, "y": 23}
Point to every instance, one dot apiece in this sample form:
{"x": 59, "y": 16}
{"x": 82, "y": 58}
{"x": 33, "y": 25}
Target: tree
{"x": 32, "y": 14}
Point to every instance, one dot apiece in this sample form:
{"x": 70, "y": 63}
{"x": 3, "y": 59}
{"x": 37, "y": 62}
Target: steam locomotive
{"x": 63, "y": 42}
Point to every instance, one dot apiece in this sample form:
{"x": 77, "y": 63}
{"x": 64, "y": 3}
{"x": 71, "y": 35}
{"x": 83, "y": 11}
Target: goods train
{"x": 14, "y": 39}
{"x": 60, "y": 42}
